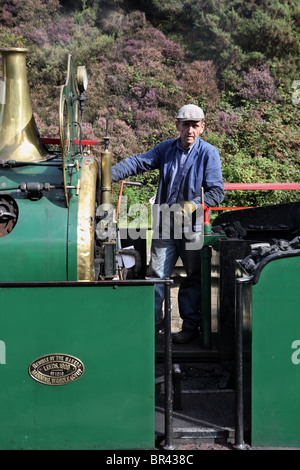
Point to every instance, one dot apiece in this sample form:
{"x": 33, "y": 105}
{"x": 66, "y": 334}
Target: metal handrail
{"x": 255, "y": 187}
{"x": 261, "y": 186}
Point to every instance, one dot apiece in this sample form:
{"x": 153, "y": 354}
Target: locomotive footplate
{"x": 203, "y": 403}
{"x": 190, "y": 352}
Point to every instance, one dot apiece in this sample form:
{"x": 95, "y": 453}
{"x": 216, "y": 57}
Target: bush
{"x": 139, "y": 77}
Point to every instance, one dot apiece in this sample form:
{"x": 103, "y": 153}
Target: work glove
{"x": 187, "y": 208}
{"x": 185, "y": 211}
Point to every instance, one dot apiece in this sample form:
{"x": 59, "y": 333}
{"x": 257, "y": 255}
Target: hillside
{"x": 145, "y": 59}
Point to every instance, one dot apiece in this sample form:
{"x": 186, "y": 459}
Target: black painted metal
{"x": 168, "y": 371}
{"x": 239, "y": 401}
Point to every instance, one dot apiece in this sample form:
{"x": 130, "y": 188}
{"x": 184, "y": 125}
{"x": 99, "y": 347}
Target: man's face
{"x": 189, "y": 131}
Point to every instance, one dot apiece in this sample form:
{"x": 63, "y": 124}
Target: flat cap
{"x": 190, "y": 112}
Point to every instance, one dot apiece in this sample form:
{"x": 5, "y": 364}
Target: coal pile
{"x": 259, "y": 251}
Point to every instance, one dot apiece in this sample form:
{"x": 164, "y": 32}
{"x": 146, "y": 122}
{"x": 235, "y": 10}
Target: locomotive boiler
{"x": 70, "y": 378}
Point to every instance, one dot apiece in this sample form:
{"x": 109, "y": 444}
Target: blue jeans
{"x": 164, "y": 255}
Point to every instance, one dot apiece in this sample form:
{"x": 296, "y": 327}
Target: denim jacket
{"x": 201, "y": 169}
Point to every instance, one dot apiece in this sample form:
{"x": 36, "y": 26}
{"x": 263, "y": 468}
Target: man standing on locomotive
{"x": 187, "y": 164}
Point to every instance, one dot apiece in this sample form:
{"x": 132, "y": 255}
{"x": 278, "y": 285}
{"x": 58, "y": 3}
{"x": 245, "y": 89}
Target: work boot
{"x": 185, "y": 335}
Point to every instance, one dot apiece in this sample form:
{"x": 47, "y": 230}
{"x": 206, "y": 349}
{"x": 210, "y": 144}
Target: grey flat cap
{"x": 190, "y": 112}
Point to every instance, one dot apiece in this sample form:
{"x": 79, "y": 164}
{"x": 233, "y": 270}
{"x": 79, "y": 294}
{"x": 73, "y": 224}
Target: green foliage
{"x": 235, "y": 35}
{"x": 258, "y": 143}
{"x": 145, "y": 59}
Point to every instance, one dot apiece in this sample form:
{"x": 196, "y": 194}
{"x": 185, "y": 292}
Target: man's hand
{"x": 187, "y": 208}
{"x": 185, "y": 212}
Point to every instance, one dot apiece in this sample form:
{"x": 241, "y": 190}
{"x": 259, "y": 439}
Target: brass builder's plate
{"x": 56, "y": 369}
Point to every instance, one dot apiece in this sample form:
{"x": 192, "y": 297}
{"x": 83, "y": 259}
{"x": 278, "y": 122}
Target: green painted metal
{"x": 275, "y": 368}
{"x": 71, "y": 236}
{"x": 71, "y": 113}
{"x": 110, "y": 329}
{"x": 42, "y": 246}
